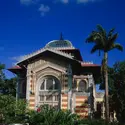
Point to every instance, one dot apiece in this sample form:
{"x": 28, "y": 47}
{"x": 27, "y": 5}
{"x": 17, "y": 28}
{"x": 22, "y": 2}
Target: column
{"x": 91, "y": 95}
{"x": 69, "y": 72}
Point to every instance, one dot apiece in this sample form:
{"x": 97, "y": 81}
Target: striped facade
{"x": 64, "y": 101}
{"x": 79, "y": 102}
{"x": 32, "y": 93}
{"x": 81, "y": 106}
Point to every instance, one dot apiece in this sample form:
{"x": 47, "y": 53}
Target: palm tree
{"x": 104, "y": 41}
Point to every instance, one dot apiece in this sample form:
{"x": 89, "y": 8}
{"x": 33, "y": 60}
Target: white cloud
{"x": 85, "y": 1}
{"x": 17, "y": 58}
{"x": 64, "y": 1}
{"x": 77, "y": 1}
{"x": 61, "y": 1}
{"x": 26, "y": 2}
{"x": 29, "y": 2}
{"x": 43, "y": 9}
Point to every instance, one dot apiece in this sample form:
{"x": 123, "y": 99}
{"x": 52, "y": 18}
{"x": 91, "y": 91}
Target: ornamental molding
{"x": 51, "y": 67}
{"x": 26, "y": 57}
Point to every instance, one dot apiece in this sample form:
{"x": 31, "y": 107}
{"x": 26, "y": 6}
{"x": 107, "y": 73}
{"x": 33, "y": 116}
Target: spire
{"x": 61, "y": 36}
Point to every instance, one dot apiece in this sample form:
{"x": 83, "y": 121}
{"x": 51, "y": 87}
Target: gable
{"x": 49, "y": 71}
{"x": 44, "y": 52}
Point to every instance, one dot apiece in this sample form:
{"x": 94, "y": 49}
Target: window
{"x": 49, "y": 83}
{"x": 82, "y": 86}
{"x": 49, "y": 91}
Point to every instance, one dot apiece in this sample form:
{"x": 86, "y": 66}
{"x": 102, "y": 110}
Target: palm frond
{"x": 111, "y": 32}
{"x": 101, "y": 30}
{"x": 117, "y": 46}
{"x": 95, "y": 48}
{"x": 114, "y": 37}
{"x": 95, "y": 37}
{"x": 91, "y": 38}
{"x": 111, "y": 41}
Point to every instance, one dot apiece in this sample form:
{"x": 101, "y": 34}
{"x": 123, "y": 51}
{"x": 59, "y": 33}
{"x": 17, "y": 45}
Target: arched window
{"x": 82, "y": 86}
{"x": 49, "y": 83}
{"x": 49, "y": 91}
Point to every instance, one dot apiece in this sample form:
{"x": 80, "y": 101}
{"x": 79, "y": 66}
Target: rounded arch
{"x": 46, "y": 73}
{"x": 82, "y": 85}
{"x": 48, "y": 90}
{"x": 49, "y": 82}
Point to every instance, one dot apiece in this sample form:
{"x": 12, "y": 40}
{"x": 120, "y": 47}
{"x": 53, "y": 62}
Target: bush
{"x": 51, "y": 116}
{"x": 12, "y": 111}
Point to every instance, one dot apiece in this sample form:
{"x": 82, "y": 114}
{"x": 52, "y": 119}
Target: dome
{"x": 59, "y": 44}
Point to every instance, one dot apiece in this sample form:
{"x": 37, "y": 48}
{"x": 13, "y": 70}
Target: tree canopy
{"x": 117, "y": 89}
{"x": 104, "y": 41}
{"x": 7, "y": 86}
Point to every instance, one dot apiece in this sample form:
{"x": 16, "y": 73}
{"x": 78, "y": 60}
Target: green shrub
{"x": 12, "y": 111}
{"x": 51, "y": 116}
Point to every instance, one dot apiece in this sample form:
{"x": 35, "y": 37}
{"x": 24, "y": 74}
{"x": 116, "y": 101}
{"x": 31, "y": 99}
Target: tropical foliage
{"x": 104, "y": 41}
{"x": 7, "y": 86}
{"x": 11, "y": 110}
{"x": 52, "y": 116}
{"x": 117, "y": 90}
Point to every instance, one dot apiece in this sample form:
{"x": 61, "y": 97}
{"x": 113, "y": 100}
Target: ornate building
{"x": 56, "y": 75}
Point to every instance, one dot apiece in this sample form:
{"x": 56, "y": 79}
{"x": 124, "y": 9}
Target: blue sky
{"x": 27, "y": 25}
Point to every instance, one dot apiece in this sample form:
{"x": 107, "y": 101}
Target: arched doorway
{"x": 49, "y": 91}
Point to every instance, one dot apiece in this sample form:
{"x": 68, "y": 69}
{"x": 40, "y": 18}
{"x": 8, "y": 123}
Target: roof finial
{"x": 61, "y": 36}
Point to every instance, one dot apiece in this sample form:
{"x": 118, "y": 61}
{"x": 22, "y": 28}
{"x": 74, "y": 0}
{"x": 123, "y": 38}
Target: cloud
{"x": 26, "y": 2}
{"x": 43, "y": 9}
{"x": 86, "y": 1}
{"x": 29, "y": 2}
{"x": 62, "y": 1}
{"x": 17, "y": 58}
{"x": 77, "y": 1}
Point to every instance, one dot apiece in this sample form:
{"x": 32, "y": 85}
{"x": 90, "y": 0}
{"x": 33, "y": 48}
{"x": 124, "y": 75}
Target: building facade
{"x": 58, "y": 76}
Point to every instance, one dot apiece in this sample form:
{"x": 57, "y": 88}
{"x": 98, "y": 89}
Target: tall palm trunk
{"x": 106, "y": 86}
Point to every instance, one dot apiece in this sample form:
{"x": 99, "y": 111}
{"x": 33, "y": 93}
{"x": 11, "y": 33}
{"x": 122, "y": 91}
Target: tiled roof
{"x": 15, "y": 67}
{"x": 88, "y": 64}
{"x": 64, "y": 48}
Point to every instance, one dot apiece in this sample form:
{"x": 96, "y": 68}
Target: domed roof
{"x": 61, "y": 43}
